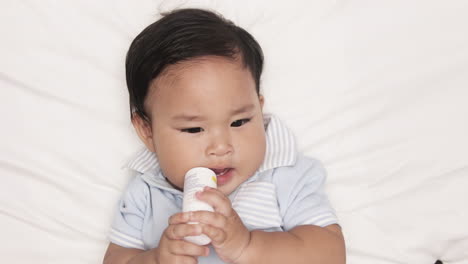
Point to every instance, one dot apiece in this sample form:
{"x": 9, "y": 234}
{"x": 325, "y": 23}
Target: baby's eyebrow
{"x": 187, "y": 117}
{"x": 243, "y": 109}
{"x": 190, "y": 117}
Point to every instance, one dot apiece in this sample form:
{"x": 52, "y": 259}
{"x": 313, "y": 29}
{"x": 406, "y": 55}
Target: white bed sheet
{"x": 378, "y": 90}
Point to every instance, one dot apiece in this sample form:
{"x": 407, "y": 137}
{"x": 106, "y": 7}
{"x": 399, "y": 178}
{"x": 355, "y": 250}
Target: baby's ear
{"x": 261, "y": 99}
{"x": 144, "y": 131}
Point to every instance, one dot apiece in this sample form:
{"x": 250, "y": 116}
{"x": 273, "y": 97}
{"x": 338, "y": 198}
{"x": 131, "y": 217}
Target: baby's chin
{"x": 175, "y": 186}
{"x": 227, "y": 189}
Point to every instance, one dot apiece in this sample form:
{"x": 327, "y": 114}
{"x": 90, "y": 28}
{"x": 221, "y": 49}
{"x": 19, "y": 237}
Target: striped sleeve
{"x": 257, "y": 206}
{"x": 126, "y": 230}
{"x": 304, "y": 199}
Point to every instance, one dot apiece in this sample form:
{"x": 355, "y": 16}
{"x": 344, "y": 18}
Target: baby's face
{"x": 206, "y": 113}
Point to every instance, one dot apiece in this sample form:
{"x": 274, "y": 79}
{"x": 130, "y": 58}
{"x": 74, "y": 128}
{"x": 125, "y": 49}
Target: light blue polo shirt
{"x": 286, "y": 191}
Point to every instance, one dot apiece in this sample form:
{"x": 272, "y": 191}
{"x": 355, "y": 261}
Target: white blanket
{"x": 377, "y": 90}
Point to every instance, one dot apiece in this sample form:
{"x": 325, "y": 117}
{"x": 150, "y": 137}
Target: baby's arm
{"x": 312, "y": 234}
{"x": 235, "y": 244}
{"x": 302, "y": 244}
{"x": 116, "y": 254}
{"x": 171, "y": 249}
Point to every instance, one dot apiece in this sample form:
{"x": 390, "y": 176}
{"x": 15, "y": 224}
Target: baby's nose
{"x": 220, "y": 146}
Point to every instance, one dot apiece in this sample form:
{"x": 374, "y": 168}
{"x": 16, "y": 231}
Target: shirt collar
{"x": 280, "y": 150}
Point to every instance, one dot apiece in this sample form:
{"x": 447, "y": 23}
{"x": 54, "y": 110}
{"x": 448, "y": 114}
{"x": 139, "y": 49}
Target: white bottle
{"x": 195, "y": 180}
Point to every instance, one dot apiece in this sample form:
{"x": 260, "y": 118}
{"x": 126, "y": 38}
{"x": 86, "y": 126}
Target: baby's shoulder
{"x": 137, "y": 188}
{"x": 305, "y": 171}
{"x": 303, "y": 167}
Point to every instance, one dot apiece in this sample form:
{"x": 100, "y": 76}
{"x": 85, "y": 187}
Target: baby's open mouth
{"x": 221, "y": 172}
{"x": 223, "y": 175}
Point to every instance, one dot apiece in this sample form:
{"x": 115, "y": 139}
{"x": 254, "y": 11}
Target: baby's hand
{"x": 228, "y": 234}
{"x": 173, "y": 248}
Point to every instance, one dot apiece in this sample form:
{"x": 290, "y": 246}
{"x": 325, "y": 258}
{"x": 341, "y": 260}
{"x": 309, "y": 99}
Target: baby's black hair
{"x": 182, "y": 35}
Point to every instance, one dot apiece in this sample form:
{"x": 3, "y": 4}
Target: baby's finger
{"x": 182, "y": 247}
{"x": 178, "y": 218}
{"x": 217, "y": 199}
{"x": 205, "y": 217}
{"x": 175, "y": 232}
{"x": 217, "y": 235}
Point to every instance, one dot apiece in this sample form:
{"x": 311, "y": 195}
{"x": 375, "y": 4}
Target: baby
{"x": 194, "y": 84}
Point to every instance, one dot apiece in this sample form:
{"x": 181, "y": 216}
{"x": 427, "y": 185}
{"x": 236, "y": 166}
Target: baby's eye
{"x": 192, "y": 130}
{"x": 240, "y": 122}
